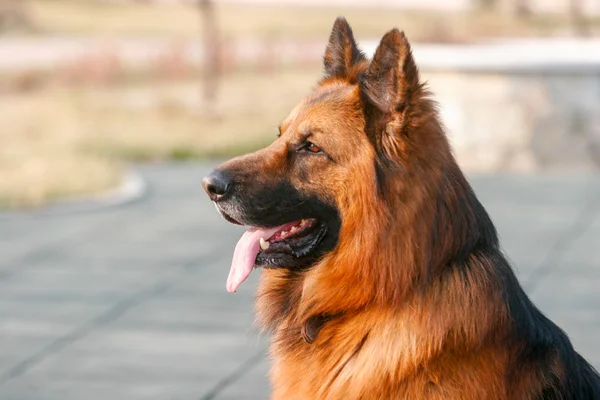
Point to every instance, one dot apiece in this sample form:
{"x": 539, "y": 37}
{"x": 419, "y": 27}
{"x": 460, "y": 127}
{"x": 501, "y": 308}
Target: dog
{"x": 382, "y": 273}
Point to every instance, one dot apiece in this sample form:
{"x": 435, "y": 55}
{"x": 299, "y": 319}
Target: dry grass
{"x": 39, "y": 158}
{"x": 67, "y": 141}
{"x": 146, "y": 19}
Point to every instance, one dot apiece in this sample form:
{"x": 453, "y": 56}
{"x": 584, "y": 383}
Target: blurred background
{"x": 113, "y": 261}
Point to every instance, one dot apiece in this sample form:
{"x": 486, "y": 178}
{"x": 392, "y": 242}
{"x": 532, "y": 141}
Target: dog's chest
{"x": 347, "y": 362}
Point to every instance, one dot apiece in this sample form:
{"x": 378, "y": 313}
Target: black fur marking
{"x": 540, "y": 346}
{"x": 312, "y": 327}
{"x": 380, "y": 177}
{"x": 268, "y": 204}
{"x": 461, "y": 222}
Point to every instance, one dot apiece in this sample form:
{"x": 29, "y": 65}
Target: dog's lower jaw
{"x": 299, "y": 256}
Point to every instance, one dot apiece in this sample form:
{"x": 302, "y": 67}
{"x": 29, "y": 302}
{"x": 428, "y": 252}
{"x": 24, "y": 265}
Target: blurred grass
{"x": 39, "y": 158}
{"x": 77, "y": 17}
{"x": 63, "y": 141}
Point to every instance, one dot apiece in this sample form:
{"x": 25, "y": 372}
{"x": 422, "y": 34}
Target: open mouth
{"x": 274, "y": 246}
{"x": 296, "y": 238}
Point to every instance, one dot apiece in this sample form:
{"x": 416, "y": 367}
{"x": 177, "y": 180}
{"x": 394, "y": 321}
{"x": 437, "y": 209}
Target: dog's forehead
{"x": 321, "y": 102}
{"x": 335, "y": 92}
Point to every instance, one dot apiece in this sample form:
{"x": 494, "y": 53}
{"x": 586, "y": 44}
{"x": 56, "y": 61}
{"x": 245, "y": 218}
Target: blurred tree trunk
{"x": 485, "y": 4}
{"x": 509, "y": 8}
{"x": 522, "y": 9}
{"x": 578, "y": 20}
{"x": 516, "y": 8}
{"x": 14, "y": 16}
{"x": 211, "y": 54}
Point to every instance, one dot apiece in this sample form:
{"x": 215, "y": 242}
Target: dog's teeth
{"x": 294, "y": 229}
{"x": 283, "y": 233}
{"x": 264, "y": 244}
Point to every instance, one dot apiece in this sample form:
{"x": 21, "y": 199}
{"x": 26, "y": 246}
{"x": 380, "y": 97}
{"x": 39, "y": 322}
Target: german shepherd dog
{"x": 382, "y": 274}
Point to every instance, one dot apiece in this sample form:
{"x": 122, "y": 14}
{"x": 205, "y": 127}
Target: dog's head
{"x": 342, "y": 150}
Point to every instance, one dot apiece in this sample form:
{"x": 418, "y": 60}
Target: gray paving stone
{"x": 573, "y": 291}
{"x": 253, "y": 385}
{"x": 17, "y": 346}
{"x": 171, "y": 361}
{"x": 583, "y": 250}
{"x": 95, "y": 389}
{"x": 76, "y": 283}
{"x": 27, "y": 326}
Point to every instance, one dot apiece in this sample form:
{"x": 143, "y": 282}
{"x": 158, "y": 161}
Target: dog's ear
{"x": 341, "y": 53}
{"x": 392, "y": 92}
{"x": 392, "y": 75}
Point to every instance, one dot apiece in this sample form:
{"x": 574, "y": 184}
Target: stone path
{"x": 129, "y": 302}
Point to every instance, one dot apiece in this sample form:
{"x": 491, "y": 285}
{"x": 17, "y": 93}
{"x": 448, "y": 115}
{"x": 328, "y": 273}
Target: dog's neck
{"x": 426, "y": 240}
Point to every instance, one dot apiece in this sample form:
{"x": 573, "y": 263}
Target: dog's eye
{"x": 313, "y": 148}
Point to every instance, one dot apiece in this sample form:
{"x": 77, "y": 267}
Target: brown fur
{"x": 392, "y": 336}
{"x": 416, "y": 301}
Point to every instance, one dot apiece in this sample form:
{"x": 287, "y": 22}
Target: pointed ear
{"x": 341, "y": 53}
{"x": 392, "y": 78}
{"x": 393, "y": 96}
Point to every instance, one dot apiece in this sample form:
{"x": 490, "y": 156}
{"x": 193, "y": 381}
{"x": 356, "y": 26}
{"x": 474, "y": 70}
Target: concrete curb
{"x": 133, "y": 188}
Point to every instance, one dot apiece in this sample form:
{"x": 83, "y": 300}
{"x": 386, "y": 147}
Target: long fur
{"x": 416, "y": 301}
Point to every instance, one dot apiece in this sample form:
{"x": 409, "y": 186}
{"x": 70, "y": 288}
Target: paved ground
{"x": 129, "y": 302}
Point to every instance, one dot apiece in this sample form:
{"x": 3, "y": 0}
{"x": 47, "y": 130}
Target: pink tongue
{"x": 245, "y": 254}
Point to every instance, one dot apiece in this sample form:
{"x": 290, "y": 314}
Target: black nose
{"x": 217, "y": 184}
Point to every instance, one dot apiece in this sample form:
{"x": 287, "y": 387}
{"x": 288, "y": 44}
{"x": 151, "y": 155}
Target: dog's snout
{"x": 217, "y": 185}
